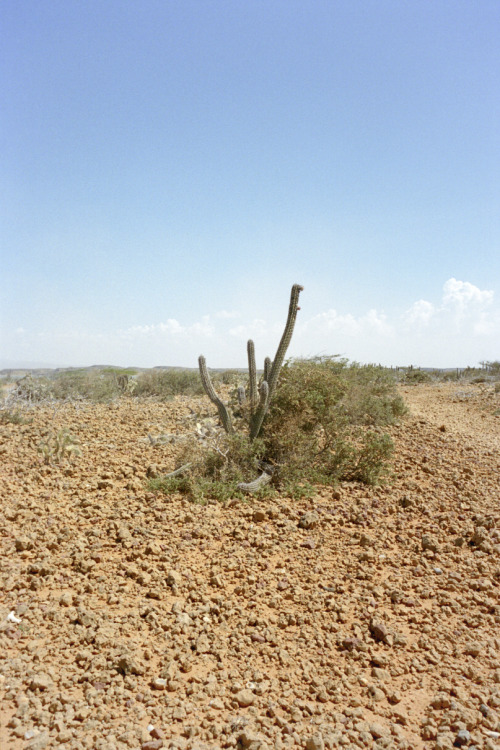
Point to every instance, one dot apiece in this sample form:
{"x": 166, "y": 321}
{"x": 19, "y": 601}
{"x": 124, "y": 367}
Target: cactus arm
{"x": 285, "y": 339}
{"x": 277, "y": 362}
{"x": 261, "y": 481}
{"x": 258, "y": 418}
{"x": 224, "y": 414}
{"x": 267, "y": 368}
{"x": 241, "y": 395}
{"x": 252, "y": 372}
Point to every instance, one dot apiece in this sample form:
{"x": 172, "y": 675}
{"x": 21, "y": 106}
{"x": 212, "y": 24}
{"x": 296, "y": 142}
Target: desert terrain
{"x": 363, "y": 617}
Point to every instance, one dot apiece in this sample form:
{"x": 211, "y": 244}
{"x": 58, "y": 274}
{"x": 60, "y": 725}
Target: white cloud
{"x": 347, "y": 325}
{"x": 460, "y": 328}
{"x": 462, "y": 294}
{"x": 257, "y": 328}
{"x": 420, "y": 313}
{"x": 227, "y": 315}
{"x": 376, "y": 322}
{"x": 171, "y": 328}
{"x": 332, "y": 321}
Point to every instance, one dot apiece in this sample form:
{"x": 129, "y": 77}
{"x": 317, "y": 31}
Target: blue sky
{"x": 170, "y": 168}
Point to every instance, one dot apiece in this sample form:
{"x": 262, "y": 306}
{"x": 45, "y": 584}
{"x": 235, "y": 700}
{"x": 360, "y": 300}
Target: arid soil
{"x": 364, "y": 617}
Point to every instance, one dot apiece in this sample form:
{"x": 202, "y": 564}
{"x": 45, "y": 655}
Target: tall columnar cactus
{"x": 258, "y": 398}
{"x": 279, "y": 358}
{"x": 224, "y": 414}
{"x": 253, "y": 395}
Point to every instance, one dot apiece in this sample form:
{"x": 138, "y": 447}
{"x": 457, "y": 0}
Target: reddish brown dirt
{"x": 365, "y": 617}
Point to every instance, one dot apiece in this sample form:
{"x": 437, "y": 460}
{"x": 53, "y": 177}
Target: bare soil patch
{"x": 364, "y": 617}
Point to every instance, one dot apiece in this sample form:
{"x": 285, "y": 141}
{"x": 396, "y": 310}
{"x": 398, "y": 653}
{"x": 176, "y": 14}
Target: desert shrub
{"x": 494, "y": 368}
{"x": 165, "y": 384}
{"x": 413, "y": 377}
{"x": 92, "y": 385}
{"x": 228, "y": 377}
{"x": 13, "y": 416}
{"x": 58, "y": 445}
{"x": 31, "y": 390}
{"x": 320, "y": 424}
{"x": 323, "y": 425}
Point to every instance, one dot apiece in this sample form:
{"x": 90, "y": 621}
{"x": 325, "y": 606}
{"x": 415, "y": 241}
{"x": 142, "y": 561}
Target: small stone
{"x": 316, "y": 742}
{"x": 202, "y": 644}
{"x": 39, "y": 742}
{"x": 309, "y": 520}
{"x": 174, "y": 578}
{"x": 159, "y": 683}
{"x": 41, "y": 681}
{"x": 429, "y": 543}
{"x": 157, "y": 733}
{"x": 152, "y": 745}
{"x": 376, "y": 694}
{"x": 376, "y": 731}
{"x": 23, "y": 543}
{"x": 351, "y": 643}
{"x": 250, "y": 741}
{"x": 474, "y": 648}
{"x": 379, "y": 631}
{"x": 258, "y": 516}
{"x": 245, "y": 697}
{"x": 128, "y": 664}
{"x": 462, "y": 738}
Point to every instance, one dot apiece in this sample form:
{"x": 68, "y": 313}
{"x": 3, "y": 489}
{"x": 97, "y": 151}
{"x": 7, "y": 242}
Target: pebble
{"x": 245, "y": 697}
{"x": 462, "y": 738}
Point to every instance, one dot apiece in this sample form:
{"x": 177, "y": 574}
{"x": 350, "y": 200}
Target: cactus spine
{"x": 225, "y": 416}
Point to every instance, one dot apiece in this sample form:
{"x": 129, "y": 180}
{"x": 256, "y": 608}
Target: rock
{"x": 39, "y": 742}
{"x": 429, "y": 543}
{"x": 316, "y": 742}
{"x": 379, "y": 631}
{"x": 376, "y": 694}
{"x": 245, "y": 697}
{"x": 258, "y": 516}
{"x": 309, "y": 520}
{"x": 203, "y": 644}
{"x": 159, "y": 683}
{"x": 152, "y": 745}
{"x": 250, "y": 741}
{"x": 462, "y": 738}
{"x": 376, "y": 731}
{"x": 128, "y": 664}
{"x": 174, "y": 578}
{"x": 23, "y": 543}
{"x": 474, "y": 648}
{"x": 41, "y": 681}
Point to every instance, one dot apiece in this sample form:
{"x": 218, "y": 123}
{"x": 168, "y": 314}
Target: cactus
{"x": 257, "y": 484}
{"x": 252, "y": 373}
{"x": 267, "y": 368}
{"x": 272, "y": 378}
{"x": 225, "y": 416}
{"x": 259, "y": 399}
{"x": 59, "y": 445}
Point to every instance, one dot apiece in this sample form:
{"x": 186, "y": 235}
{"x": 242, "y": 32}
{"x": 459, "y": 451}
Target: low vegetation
{"x": 165, "y": 384}
{"x": 323, "y": 425}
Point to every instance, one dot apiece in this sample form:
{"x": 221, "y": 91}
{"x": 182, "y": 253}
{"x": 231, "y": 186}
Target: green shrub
{"x": 13, "y": 416}
{"x": 413, "y": 377}
{"x": 320, "y": 425}
{"x": 165, "y": 384}
{"x": 92, "y": 385}
{"x": 323, "y": 426}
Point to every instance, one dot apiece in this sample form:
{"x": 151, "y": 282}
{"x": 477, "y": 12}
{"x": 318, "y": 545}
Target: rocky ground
{"x": 364, "y": 617}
